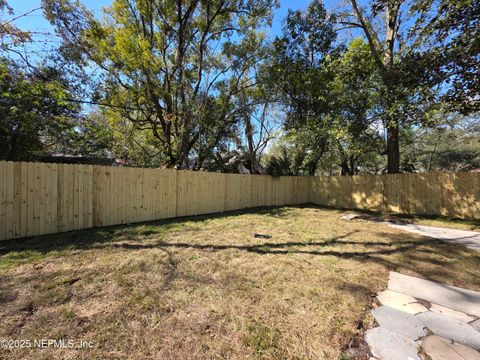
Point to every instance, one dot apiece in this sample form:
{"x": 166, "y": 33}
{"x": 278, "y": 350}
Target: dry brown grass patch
{"x": 206, "y": 288}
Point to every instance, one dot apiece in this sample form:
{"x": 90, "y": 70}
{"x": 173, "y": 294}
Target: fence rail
{"x": 43, "y": 198}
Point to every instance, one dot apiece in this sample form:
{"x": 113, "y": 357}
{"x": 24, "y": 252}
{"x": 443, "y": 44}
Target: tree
{"x": 451, "y": 143}
{"x": 259, "y": 116}
{"x": 91, "y": 137}
{"x": 10, "y": 35}
{"x": 448, "y": 51}
{"x": 330, "y": 92}
{"x": 36, "y": 114}
{"x": 383, "y": 54}
{"x": 354, "y": 131}
{"x": 170, "y": 69}
{"x": 297, "y": 75}
{"x": 423, "y": 45}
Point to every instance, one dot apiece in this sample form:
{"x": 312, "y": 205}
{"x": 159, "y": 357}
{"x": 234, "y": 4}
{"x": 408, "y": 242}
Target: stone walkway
{"x": 470, "y": 239}
{"x": 421, "y": 319}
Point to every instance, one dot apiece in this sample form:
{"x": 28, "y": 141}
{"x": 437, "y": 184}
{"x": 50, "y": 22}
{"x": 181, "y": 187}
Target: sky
{"x": 36, "y": 22}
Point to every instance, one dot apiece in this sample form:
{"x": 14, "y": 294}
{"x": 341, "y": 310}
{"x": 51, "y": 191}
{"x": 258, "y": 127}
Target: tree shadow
{"x": 89, "y": 238}
{"x": 429, "y": 257}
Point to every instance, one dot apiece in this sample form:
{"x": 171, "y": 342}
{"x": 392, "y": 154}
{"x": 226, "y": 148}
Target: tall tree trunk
{"x": 393, "y": 148}
{"x": 345, "y": 163}
{"x": 251, "y": 149}
{"x": 353, "y": 165}
{"x": 312, "y": 166}
{"x": 390, "y": 79}
{"x": 383, "y": 55}
{"x": 344, "y": 167}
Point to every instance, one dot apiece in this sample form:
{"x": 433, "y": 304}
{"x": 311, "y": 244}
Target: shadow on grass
{"x": 429, "y": 257}
{"x": 88, "y": 238}
{"x": 305, "y": 248}
{"x": 401, "y": 218}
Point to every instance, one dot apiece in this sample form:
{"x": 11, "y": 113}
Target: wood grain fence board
{"x": 47, "y": 189}
{"x": 54, "y": 199}
{"x": 30, "y": 199}
{"x": 90, "y": 195}
{"x": 43, "y": 216}
{"x": 119, "y": 204}
{"x": 38, "y": 198}
{"x": 124, "y": 194}
{"x": 3, "y": 200}
{"x": 100, "y": 179}
{"x": 130, "y": 191}
{"x": 166, "y": 193}
{"x": 3, "y": 197}
{"x": 141, "y": 195}
{"x": 136, "y": 198}
{"x": 17, "y": 203}
{"x": 147, "y": 192}
{"x": 60, "y": 198}
{"x": 24, "y": 204}
{"x": 232, "y": 189}
{"x": 69, "y": 197}
{"x": 112, "y": 199}
{"x": 182, "y": 188}
{"x": 84, "y": 192}
{"x": 262, "y": 190}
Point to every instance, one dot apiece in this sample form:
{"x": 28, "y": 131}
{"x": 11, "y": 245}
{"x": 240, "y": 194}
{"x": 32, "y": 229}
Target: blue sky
{"x": 36, "y": 22}
{"x": 42, "y": 44}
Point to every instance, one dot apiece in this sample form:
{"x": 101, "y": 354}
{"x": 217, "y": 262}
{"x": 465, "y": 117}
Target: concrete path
{"x": 470, "y": 239}
{"x": 444, "y": 326}
{"x": 466, "y": 301}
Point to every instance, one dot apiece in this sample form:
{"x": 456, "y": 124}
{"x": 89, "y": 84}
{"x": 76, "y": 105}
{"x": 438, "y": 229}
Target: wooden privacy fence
{"x": 43, "y": 198}
{"x": 40, "y": 198}
{"x": 455, "y": 195}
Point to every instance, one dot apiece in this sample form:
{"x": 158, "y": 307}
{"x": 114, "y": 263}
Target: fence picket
{"x": 37, "y": 198}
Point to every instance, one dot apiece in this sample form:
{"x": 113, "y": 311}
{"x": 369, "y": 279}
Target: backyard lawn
{"x": 205, "y": 287}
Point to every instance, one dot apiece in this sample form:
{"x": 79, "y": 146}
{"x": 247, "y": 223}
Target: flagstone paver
{"x": 452, "y": 313}
{"x": 401, "y": 302}
{"x": 451, "y": 328}
{"x": 399, "y": 322}
{"x": 443, "y": 333}
{"x": 439, "y": 348}
{"x": 476, "y": 324}
{"x": 385, "y": 344}
{"x": 467, "y": 301}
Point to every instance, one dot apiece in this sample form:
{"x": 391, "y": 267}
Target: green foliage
{"x": 36, "y": 115}
{"x": 10, "y": 35}
{"x": 451, "y": 143}
{"x": 330, "y": 93}
{"x": 92, "y": 137}
{"x": 339, "y": 101}
{"x": 280, "y": 161}
{"x": 170, "y": 69}
{"x": 195, "y": 84}
{"x": 449, "y": 32}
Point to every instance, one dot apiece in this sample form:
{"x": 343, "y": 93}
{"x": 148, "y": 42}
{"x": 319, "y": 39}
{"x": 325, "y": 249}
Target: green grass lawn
{"x": 205, "y": 287}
